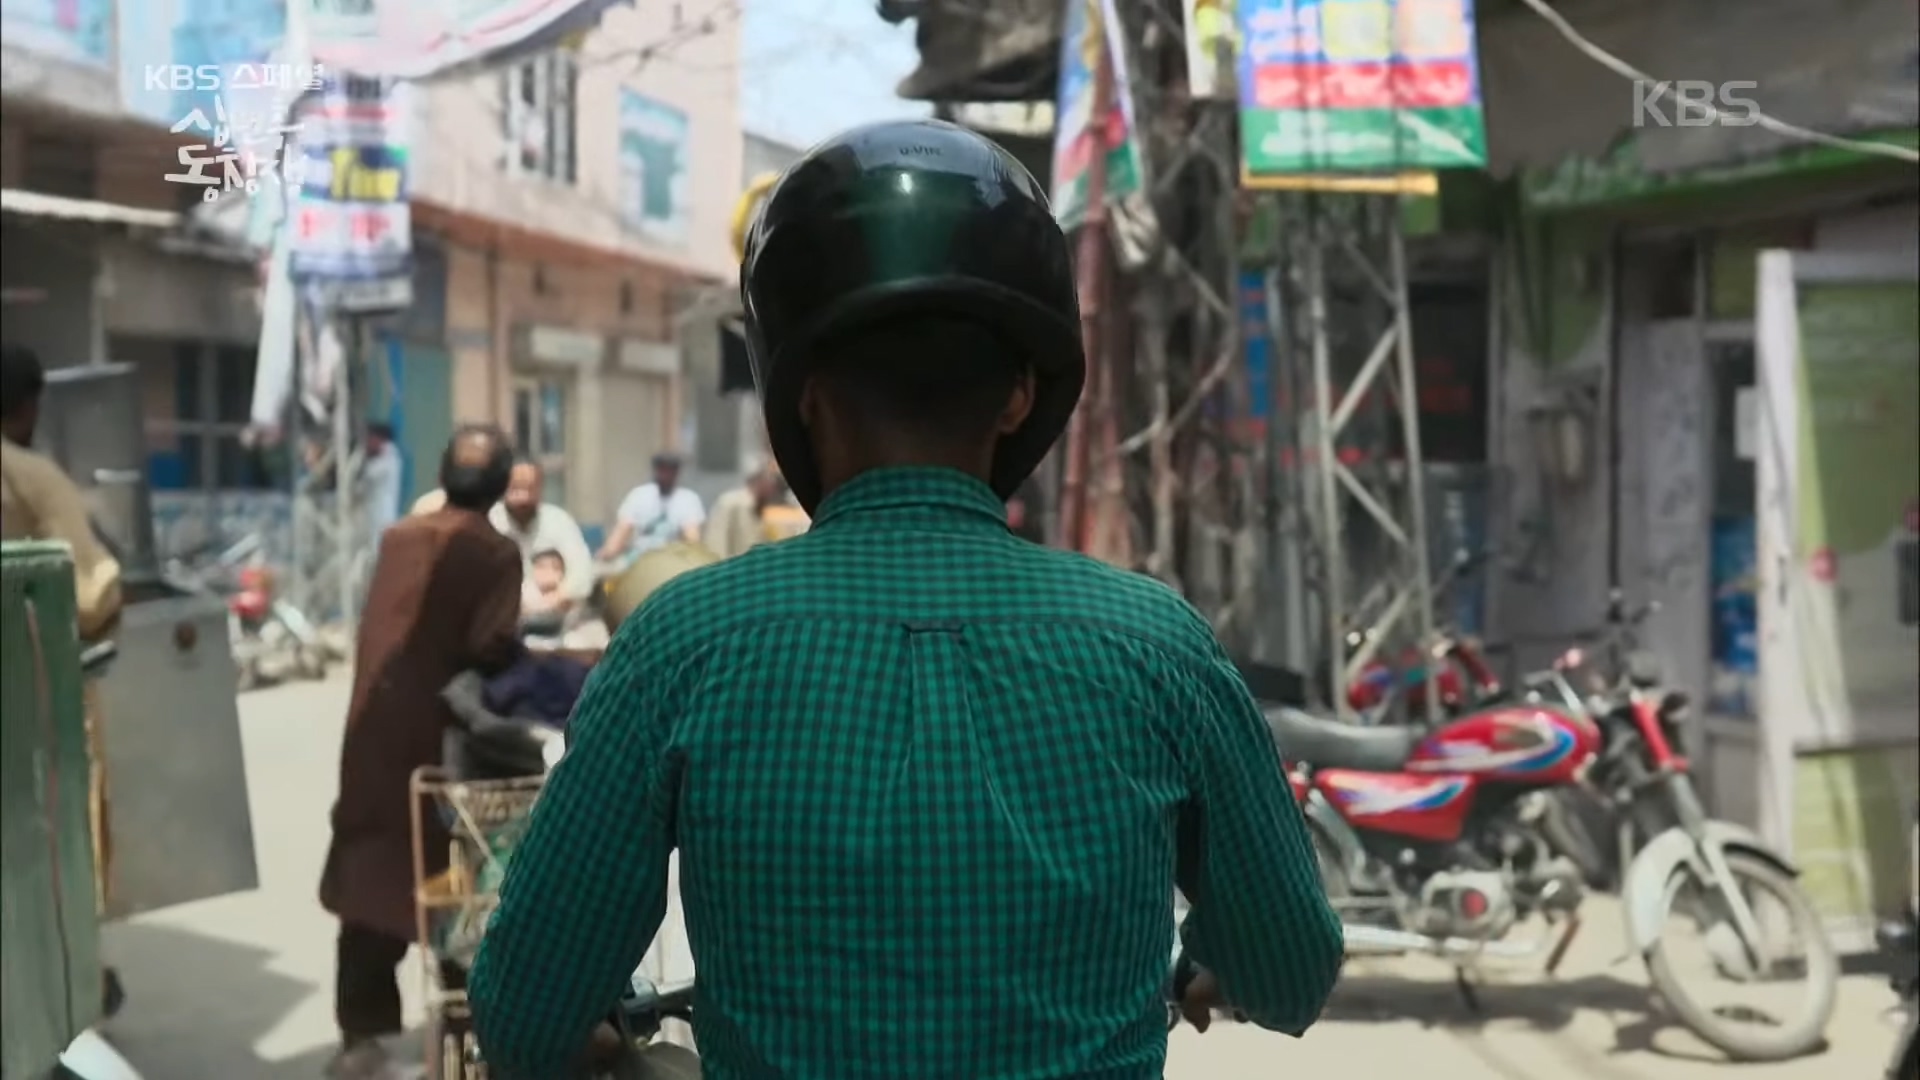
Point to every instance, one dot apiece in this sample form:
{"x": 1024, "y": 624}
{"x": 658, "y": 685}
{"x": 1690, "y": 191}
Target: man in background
{"x": 739, "y": 516}
{"x": 444, "y": 599}
{"x": 655, "y": 514}
{"x": 39, "y": 502}
{"x": 534, "y": 525}
{"x": 382, "y": 475}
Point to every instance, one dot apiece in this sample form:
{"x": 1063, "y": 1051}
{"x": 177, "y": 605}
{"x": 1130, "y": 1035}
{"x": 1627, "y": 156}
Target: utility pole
{"x": 1090, "y": 265}
{"x": 328, "y": 542}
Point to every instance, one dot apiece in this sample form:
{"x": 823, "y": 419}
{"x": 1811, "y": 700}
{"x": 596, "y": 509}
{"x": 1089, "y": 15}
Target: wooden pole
{"x": 1090, "y": 265}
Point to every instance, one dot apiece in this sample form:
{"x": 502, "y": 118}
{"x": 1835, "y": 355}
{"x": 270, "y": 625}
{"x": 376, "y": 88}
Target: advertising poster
{"x": 653, "y": 168}
{"x": 1090, "y": 26}
{"x": 74, "y": 31}
{"x": 351, "y": 232}
{"x": 1358, "y": 86}
{"x": 1209, "y": 48}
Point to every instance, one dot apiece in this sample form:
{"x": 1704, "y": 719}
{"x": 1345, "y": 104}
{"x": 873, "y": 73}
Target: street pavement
{"x": 239, "y": 988}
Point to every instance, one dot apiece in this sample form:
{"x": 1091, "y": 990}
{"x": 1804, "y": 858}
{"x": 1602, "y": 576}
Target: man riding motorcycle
{"x": 931, "y": 785}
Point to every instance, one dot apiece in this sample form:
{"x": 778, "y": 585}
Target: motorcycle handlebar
{"x": 665, "y": 998}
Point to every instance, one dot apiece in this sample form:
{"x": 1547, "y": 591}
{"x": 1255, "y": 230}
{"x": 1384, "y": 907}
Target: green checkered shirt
{"x": 929, "y": 783}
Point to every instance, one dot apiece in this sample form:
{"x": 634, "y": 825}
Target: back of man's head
{"x": 937, "y": 382}
{"x": 22, "y": 379}
{"x": 476, "y": 467}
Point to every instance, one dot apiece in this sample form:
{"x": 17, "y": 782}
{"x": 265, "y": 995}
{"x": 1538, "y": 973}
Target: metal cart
{"x": 485, "y": 820}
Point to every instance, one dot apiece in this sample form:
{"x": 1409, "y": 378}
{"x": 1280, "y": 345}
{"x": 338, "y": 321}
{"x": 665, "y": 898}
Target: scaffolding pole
{"x": 1358, "y": 485}
{"x": 329, "y": 548}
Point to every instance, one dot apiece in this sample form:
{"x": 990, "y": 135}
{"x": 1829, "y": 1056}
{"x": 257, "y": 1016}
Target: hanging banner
{"x": 1209, "y": 26}
{"x": 1358, "y": 86}
{"x": 352, "y": 234}
{"x": 1091, "y": 27}
{"x": 413, "y": 39}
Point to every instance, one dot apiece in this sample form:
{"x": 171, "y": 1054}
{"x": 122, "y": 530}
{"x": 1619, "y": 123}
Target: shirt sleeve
{"x": 587, "y": 889}
{"x": 96, "y": 574}
{"x": 688, "y": 511}
{"x": 1260, "y": 920}
{"x": 633, "y": 508}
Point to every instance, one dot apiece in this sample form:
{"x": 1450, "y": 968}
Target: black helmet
{"x": 904, "y": 218}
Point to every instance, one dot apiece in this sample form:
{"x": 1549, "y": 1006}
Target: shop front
{"x": 1687, "y": 434}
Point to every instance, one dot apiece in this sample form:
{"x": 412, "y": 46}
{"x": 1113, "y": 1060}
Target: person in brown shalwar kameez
{"x": 444, "y": 598}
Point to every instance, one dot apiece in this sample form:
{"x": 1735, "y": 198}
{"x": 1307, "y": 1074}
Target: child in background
{"x": 547, "y": 617}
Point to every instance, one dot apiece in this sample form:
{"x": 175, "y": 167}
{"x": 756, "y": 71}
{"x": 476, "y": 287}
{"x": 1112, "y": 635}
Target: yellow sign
{"x": 356, "y": 182}
{"x": 748, "y": 205}
{"x": 1408, "y": 183}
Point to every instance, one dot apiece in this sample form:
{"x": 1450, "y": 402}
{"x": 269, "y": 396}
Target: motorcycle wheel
{"x": 1750, "y": 1042}
{"x": 310, "y": 662}
{"x": 657, "y": 1061}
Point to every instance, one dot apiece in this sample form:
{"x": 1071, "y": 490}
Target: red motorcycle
{"x": 1439, "y": 841}
{"x": 1388, "y": 690}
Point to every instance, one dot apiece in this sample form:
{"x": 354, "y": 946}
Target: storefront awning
{"x": 34, "y": 204}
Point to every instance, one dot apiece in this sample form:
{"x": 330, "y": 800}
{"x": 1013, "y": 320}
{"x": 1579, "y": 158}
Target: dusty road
{"x": 240, "y": 988}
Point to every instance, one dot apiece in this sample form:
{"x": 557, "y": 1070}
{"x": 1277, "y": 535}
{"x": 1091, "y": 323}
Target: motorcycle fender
{"x": 1322, "y": 814}
{"x": 1645, "y": 888}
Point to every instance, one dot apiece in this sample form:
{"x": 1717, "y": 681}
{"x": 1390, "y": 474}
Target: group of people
{"x": 479, "y": 568}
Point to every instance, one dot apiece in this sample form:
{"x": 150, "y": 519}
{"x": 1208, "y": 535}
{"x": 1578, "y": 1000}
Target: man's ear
{"x": 1019, "y": 404}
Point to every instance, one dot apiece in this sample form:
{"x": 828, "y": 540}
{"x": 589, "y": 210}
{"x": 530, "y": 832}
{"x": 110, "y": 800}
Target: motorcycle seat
{"x": 1330, "y": 744}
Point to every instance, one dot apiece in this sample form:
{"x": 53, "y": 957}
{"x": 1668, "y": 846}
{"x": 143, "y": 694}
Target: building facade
{"x": 576, "y": 204}
{"x": 568, "y": 208}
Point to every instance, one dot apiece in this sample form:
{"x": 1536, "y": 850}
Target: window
{"x": 540, "y": 429}
{"x": 538, "y": 116}
{"x": 195, "y": 445}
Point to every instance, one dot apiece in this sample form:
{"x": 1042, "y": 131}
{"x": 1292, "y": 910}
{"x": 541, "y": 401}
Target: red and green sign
{"x": 1359, "y": 86}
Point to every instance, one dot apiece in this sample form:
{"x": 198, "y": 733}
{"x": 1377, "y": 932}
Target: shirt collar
{"x": 915, "y": 490}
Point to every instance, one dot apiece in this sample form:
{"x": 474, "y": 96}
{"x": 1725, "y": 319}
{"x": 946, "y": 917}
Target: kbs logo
{"x": 1696, "y": 103}
{"x": 183, "y": 77}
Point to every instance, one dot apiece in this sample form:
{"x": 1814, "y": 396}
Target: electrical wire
{"x": 1662, "y": 89}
